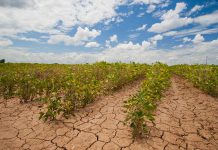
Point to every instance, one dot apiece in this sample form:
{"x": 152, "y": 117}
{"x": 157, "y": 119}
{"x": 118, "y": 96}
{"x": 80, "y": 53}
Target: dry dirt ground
{"x": 186, "y": 118}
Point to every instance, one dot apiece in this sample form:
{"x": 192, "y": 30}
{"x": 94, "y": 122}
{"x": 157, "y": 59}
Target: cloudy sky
{"x": 86, "y": 31}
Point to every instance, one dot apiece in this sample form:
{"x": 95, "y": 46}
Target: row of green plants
{"x": 141, "y": 106}
{"x": 204, "y": 77}
{"x": 64, "y": 88}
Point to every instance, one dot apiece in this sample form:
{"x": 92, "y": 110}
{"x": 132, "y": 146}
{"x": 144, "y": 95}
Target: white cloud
{"x": 170, "y": 17}
{"x": 107, "y": 43}
{"x": 158, "y": 13}
{"x": 142, "y": 28}
{"x": 195, "y": 9}
{"x": 28, "y": 39}
{"x": 192, "y": 31}
{"x": 5, "y": 42}
{"x": 178, "y": 46}
{"x": 92, "y": 44}
{"x": 152, "y": 4}
{"x": 131, "y": 46}
{"x": 156, "y": 38}
{"x": 124, "y": 52}
{"x": 116, "y": 19}
{"x": 85, "y": 34}
{"x": 147, "y": 1}
{"x": 113, "y": 38}
{"x": 165, "y": 3}
{"x": 208, "y": 19}
{"x": 170, "y": 33}
{"x": 80, "y": 36}
{"x": 128, "y": 46}
{"x": 141, "y": 15}
{"x": 151, "y": 8}
{"x": 171, "y": 20}
{"x": 23, "y": 38}
{"x": 50, "y": 16}
{"x": 198, "y": 39}
{"x": 186, "y": 39}
{"x": 146, "y": 44}
{"x": 134, "y": 35}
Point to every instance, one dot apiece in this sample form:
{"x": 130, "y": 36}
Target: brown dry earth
{"x": 186, "y": 118}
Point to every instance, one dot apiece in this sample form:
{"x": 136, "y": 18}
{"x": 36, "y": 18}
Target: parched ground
{"x": 186, "y": 118}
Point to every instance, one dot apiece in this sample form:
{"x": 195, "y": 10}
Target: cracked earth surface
{"x": 186, "y": 118}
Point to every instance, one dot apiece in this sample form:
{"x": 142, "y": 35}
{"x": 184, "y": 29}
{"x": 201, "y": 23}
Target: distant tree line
{"x": 2, "y": 60}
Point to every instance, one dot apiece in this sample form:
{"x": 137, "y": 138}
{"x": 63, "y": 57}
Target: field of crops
{"x": 67, "y": 88}
{"x": 204, "y": 77}
{"x": 64, "y": 88}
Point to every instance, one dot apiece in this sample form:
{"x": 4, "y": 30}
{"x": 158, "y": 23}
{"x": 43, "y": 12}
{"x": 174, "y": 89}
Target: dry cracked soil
{"x": 186, "y": 118}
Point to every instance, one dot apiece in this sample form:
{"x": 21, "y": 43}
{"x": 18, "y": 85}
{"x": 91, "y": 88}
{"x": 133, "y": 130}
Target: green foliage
{"x": 204, "y": 77}
{"x": 65, "y": 88}
{"x": 140, "y": 107}
{"x": 7, "y": 85}
{"x": 54, "y": 108}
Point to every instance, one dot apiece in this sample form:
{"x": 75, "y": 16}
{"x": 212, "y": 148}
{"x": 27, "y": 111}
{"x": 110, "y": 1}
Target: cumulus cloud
{"x": 57, "y": 18}
{"x": 208, "y": 19}
{"x": 80, "y": 36}
{"x": 156, "y": 38}
{"x": 131, "y": 46}
{"x": 151, "y": 8}
{"x": 92, "y": 44}
{"x": 113, "y": 38}
{"x": 5, "y": 42}
{"x": 198, "y": 39}
{"x": 169, "y": 19}
{"x": 142, "y": 28}
{"x": 45, "y": 15}
{"x": 124, "y": 52}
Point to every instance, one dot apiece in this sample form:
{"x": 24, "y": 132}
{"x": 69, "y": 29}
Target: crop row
{"x": 204, "y": 77}
{"x": 140, "y": 107}
{"x": 64, "y": 88}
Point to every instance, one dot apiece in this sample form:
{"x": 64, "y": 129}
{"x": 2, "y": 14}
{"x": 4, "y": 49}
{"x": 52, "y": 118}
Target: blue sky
{"x": 81, "y": 31}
